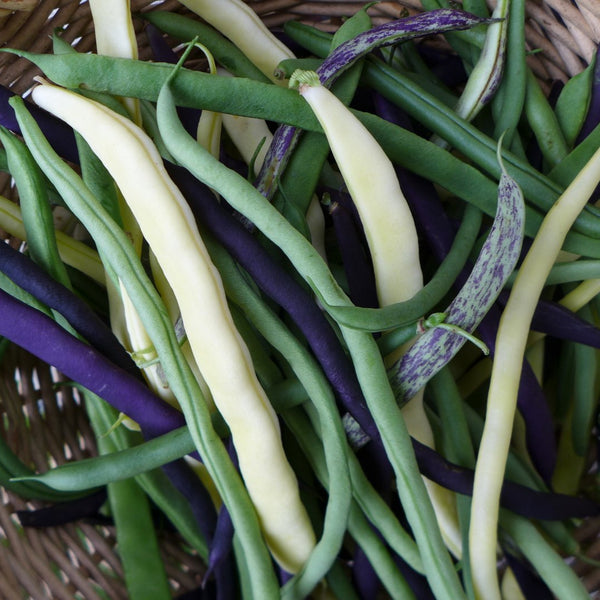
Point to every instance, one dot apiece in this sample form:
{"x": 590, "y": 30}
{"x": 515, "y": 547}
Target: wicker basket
{"x": 80, "y": 560}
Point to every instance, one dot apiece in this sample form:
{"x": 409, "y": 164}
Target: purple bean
{"x": 365, "y": 579}
{"x": 86, "y": 507}
{"x": 33, "y": 279}
{"x": 60, "y": 135}
{"x": 355, "y": 255}
{"x": 520, "y": 499}
{"x": 44, "y": 338}
{"x": 531, "y": 585}
{"x": 220, "y": 571}
{"x": 557, "y": 321}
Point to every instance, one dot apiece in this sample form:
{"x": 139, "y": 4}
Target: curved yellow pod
{"x": 221, "y": 354}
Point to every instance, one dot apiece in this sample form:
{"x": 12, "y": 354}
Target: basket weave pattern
{"x": 81, "y": 561}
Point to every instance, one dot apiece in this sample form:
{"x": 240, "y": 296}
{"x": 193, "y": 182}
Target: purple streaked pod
{"x": 345, "y": 55}
{"x": 496, "y": 261}
{"x": 435, "y": 227}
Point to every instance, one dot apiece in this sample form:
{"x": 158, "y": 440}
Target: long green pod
{"x": 118, "y": 251}
{"x": 89, "y": 473}
{"x": 255, "y": 99}
{"x": 543, "y": 122}
{"x": 367, "y": 359}
{"x": 507, "y": 104}
{"x": 143, "y": 568}
{"x": 35, "y": 209}
{"x": 226, "y": 367}
{"x": 155, "y": 482}
{"x": 573, "y": 103}
{"x": 552, "y": 568}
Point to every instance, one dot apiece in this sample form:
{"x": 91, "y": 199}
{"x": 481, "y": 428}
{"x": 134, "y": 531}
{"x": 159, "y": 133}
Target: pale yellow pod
{"x": 238, "y": 22}
{"x": 372, "y": 182}
{"x": 392, "y": 238}
{"x": 115, "y": 36}
{"x": 221, "y": 354}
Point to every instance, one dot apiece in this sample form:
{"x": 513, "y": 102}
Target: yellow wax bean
{"x": 393, "y": 243}
{"x": 169, "y": 228}
{"x": 511, "y": 342}
{"x": 237, "y": 21}
{"x": 373, "y": 185}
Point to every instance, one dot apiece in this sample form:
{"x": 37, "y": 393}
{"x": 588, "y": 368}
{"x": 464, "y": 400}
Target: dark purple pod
{"x": 33, "y": 279}
{"x": 59, "y": 134}
{"x": 86, "y": 507}
{"x": 355, "y": 256}
{"x": 44, "y": 338}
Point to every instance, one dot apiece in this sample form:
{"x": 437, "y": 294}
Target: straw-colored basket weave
{"x": 44, "y": 423}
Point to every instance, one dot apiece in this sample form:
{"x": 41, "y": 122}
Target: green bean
{"x": 12, "y": 469}
{"x": 508, "y": 103}
{"x": 340, "y": 586}
{"x": 543, "y": 122}
{"x": 456, "y": 433}
{"x": 570, "y": 272}
{"x": 138, "y": 547}
{"x": 98, "y": 180}
{"x": 225, "y": 52}
{"x": 551, "y": 567}
{"x": 242, "y": 96}
{"x": 379, "y": 557}
{"x": 564, "y": 172}
{"x": 573, "y": 102}
{"x": 585, "y": 398}
{"x": 148, "y": 113}
{"x": 35, "y": 209}
{"x": 155, "y": 482}
{"x": 121, "y": 257}
{"x": 194, "y": 89}
{"x": 407, "y": 312}
{"x": 363, "y": 350}
{"x": 94, "y": 472}
{"x": 476, "y": 7}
